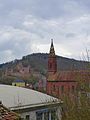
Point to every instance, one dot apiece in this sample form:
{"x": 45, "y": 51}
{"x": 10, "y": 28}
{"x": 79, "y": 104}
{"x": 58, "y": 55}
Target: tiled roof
{"x": 6, "y": 114}
{"x": 69, "y": 76}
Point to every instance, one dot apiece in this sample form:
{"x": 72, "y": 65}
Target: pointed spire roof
{"x": 52, "y": 51}
{"x": 52, "y": 43}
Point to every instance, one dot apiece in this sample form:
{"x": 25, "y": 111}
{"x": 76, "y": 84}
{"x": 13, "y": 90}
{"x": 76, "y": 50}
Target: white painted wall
{"x": 32, "y": 114}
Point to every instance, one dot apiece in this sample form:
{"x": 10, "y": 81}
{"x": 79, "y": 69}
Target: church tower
{"x": 52, "y": 62}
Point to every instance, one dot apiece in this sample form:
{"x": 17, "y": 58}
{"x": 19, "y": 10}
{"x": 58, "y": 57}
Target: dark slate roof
{"x": 18, "y": 80}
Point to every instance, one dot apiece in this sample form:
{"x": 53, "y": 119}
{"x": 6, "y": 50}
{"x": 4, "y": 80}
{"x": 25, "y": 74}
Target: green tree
{"x": 79, "y": 108}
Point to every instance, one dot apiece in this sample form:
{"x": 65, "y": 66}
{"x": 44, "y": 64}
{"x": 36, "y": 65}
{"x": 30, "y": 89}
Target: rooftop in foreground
{"x": 14, "y": 97}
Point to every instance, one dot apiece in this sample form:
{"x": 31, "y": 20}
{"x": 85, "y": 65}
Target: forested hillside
{"x": 35, "y": 65}
{"x": 38, "y": 61}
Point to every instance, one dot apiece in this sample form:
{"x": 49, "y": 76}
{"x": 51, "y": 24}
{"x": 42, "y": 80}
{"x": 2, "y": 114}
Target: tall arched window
{"x": 50, "y": 65}
{"x": 62, "y": 88}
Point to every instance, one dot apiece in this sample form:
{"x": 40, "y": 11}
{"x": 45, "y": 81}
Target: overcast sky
{"x": 26, "y": 26}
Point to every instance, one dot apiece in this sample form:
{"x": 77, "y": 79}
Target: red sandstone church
{"x": 63, "y": 82}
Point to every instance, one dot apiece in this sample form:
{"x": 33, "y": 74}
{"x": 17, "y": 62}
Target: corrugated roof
{"x": 12, "y": 96}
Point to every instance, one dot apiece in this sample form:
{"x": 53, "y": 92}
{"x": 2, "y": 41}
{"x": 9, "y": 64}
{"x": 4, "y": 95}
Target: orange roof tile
{"x": 6, "y": 114}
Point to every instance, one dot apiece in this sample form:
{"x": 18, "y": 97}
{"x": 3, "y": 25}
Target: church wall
{"x": 60, "y": 88}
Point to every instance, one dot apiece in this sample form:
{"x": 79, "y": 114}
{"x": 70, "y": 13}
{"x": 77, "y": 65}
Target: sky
{"x": 27, "y": 26}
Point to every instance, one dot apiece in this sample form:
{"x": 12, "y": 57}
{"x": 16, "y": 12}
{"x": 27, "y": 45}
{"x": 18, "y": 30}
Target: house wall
{"x": 42, "y": 114}
{"x": 32, "y": 115}
{"x": 19, "y": 84}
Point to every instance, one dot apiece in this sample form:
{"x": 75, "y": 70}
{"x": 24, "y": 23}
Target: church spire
{"x": 52, "y": 51}
{"x": 52, "y": 43}
{"x": 52, "y": 62}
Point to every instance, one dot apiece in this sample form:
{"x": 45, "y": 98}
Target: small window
{"x": 46, "y": 116}
{"x": 53, "y": 115}
{"x": 68, "y": 89}
{"x": 54, "y": 88}
{"x": 58, "y": 90}
{"x": 50, "y": 65}
{"x": 62, "y": 89}
{"x": 39, "y": 116}
{"x": 73, "y": 89}
{"x": 27, "y": 117}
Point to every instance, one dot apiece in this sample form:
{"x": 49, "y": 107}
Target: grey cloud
{"x": 23, "y": 23}
{"x": 12, "y": 12}
{"x": 17, "y": 42}
{"x": 70, "y": 35}
{"x": 45, "y": 9}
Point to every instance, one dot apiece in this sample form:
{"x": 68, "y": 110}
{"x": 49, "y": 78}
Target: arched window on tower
{"x": 73, "y": 89}
{"x": 54, "y": 87}
{"x": 50, "y": 65}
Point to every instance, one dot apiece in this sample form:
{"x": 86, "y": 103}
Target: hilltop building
{"x": 19, "y": 70}
{"x": 60, "y": 83}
